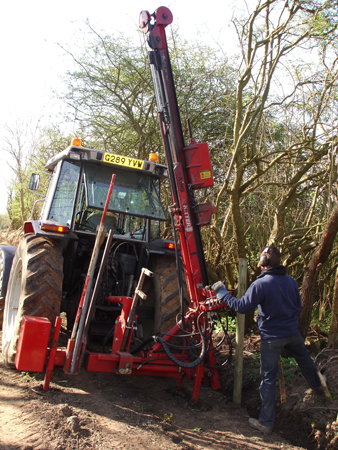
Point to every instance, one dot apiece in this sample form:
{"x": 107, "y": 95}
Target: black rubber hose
{"x": 182, "y": 329}
{"x": 123, "y": 272}
{"x": 227, "y": 337}
{"x": 184, "y": 347}
{"x": 143, "y": 344}
{"x": 201, "y": 356}
{"x": 180, "y": 363}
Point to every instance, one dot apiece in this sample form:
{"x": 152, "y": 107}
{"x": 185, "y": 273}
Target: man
{"x": 277, "y": 297}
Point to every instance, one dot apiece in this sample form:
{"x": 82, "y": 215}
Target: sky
{"x": 33, "y": 33}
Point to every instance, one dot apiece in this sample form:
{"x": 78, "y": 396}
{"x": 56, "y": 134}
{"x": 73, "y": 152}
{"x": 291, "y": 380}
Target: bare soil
{"x": 105, "y": 411}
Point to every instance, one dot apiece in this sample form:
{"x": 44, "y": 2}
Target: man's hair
{"x": 270, "y": 256}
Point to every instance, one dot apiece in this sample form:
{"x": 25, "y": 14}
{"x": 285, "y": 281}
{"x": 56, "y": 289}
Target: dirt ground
{"x": 104, "y": 411}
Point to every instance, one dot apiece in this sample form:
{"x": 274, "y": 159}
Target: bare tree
{"x": 318, "y": 259}
{"x": 20, "y": 141}
{"x": 29, "y": 146}
{"x": 267, "y": 39}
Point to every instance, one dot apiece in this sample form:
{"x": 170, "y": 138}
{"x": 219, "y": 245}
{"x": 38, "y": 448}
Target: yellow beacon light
{"x": 153, "y": 157}
{"x": 76, "y": 142}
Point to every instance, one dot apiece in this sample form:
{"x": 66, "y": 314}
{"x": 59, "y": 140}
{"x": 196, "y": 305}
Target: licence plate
{"x": 123, "y": 161}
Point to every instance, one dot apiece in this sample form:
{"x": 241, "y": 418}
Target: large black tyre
{"x": 167, "y": 298}
{"x": 34, "y": 288}
{"x": 6, "y": 257}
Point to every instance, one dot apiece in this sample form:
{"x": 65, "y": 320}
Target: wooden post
{"x": 242, "y": 282}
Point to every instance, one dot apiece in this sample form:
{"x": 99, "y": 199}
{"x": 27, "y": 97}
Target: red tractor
{"x": 129, "y": 306}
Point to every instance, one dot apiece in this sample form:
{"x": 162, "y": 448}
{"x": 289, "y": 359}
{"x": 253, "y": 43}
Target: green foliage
{"x": 290, "y": 368}
{"x": 327, "y": 401}
{"x": 168, "y": 418}
{"x": 111, "y": 94}
{"x": 146, "y": 407}
{"x": 251, "y": 376}
{"x": 229, "y": 323}
{"x": 26, "y": 377}
{"x": 322, "y": 317}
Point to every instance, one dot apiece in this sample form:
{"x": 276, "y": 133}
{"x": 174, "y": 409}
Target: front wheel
{"x": 34, "y": 289}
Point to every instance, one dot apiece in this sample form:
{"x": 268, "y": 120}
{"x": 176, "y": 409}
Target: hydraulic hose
{"x": 225, "y": 337}
{"x": 201, "y": 356}
{"x": 180, "y": 363}
{"x": 143, "y": 344}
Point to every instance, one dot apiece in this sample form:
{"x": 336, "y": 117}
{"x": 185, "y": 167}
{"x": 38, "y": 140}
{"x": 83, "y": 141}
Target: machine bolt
{"x": 165, "y": 16}
{"x": 158, "y": 38}
{"x": 127, "y": 366}
{"x": 116, "y": 339}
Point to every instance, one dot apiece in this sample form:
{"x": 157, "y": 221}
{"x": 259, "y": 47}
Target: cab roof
{"x": 107, "y": 159}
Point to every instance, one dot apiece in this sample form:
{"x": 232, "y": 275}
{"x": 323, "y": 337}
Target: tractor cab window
{"x": 134, "y": 200}
{"x": 134, "y": 193}
{"x": 63, "y": 202}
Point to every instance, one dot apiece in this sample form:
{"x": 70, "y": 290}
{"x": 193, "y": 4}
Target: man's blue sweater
{"x": 277, "y": 297}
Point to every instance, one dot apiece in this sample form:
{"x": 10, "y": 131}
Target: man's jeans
{"x": 270, "y": 353}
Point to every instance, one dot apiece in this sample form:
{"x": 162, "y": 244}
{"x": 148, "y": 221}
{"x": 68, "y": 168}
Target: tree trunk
{"x": 333, "y": 332}
{"x": 238, "y": 224}
{"x": 309, "y": 281}
{"x": 22, "y": 206}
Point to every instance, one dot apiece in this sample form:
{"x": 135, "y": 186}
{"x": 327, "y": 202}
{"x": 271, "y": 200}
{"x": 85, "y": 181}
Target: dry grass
{"x": 11, "y": 237}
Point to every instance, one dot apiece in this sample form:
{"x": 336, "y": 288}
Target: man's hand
{"x": 220, "y": 290}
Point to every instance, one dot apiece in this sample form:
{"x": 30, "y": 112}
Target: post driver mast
{"x": 189, "y": 168}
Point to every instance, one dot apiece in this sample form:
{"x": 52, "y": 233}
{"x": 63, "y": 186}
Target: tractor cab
{"x": 79, "y": 186}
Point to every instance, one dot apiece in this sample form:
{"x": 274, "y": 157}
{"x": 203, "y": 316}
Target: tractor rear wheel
{"x": 34, "y": 289}
{"x": 6, "y": 257}
{"x": 167, "y": 298}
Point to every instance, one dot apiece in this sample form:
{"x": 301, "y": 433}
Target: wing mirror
{"x": 34, "y": 182}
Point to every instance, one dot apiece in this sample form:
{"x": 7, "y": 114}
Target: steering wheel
{"x": 94, "y": 220}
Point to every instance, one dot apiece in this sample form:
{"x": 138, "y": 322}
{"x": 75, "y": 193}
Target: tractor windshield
{"x": 133, "y": 193}
{"x": 80, "y": 196}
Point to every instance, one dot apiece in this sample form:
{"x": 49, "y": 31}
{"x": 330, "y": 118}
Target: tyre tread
{"x": 41, "y": 284}
{"x": 168, "y": 303}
